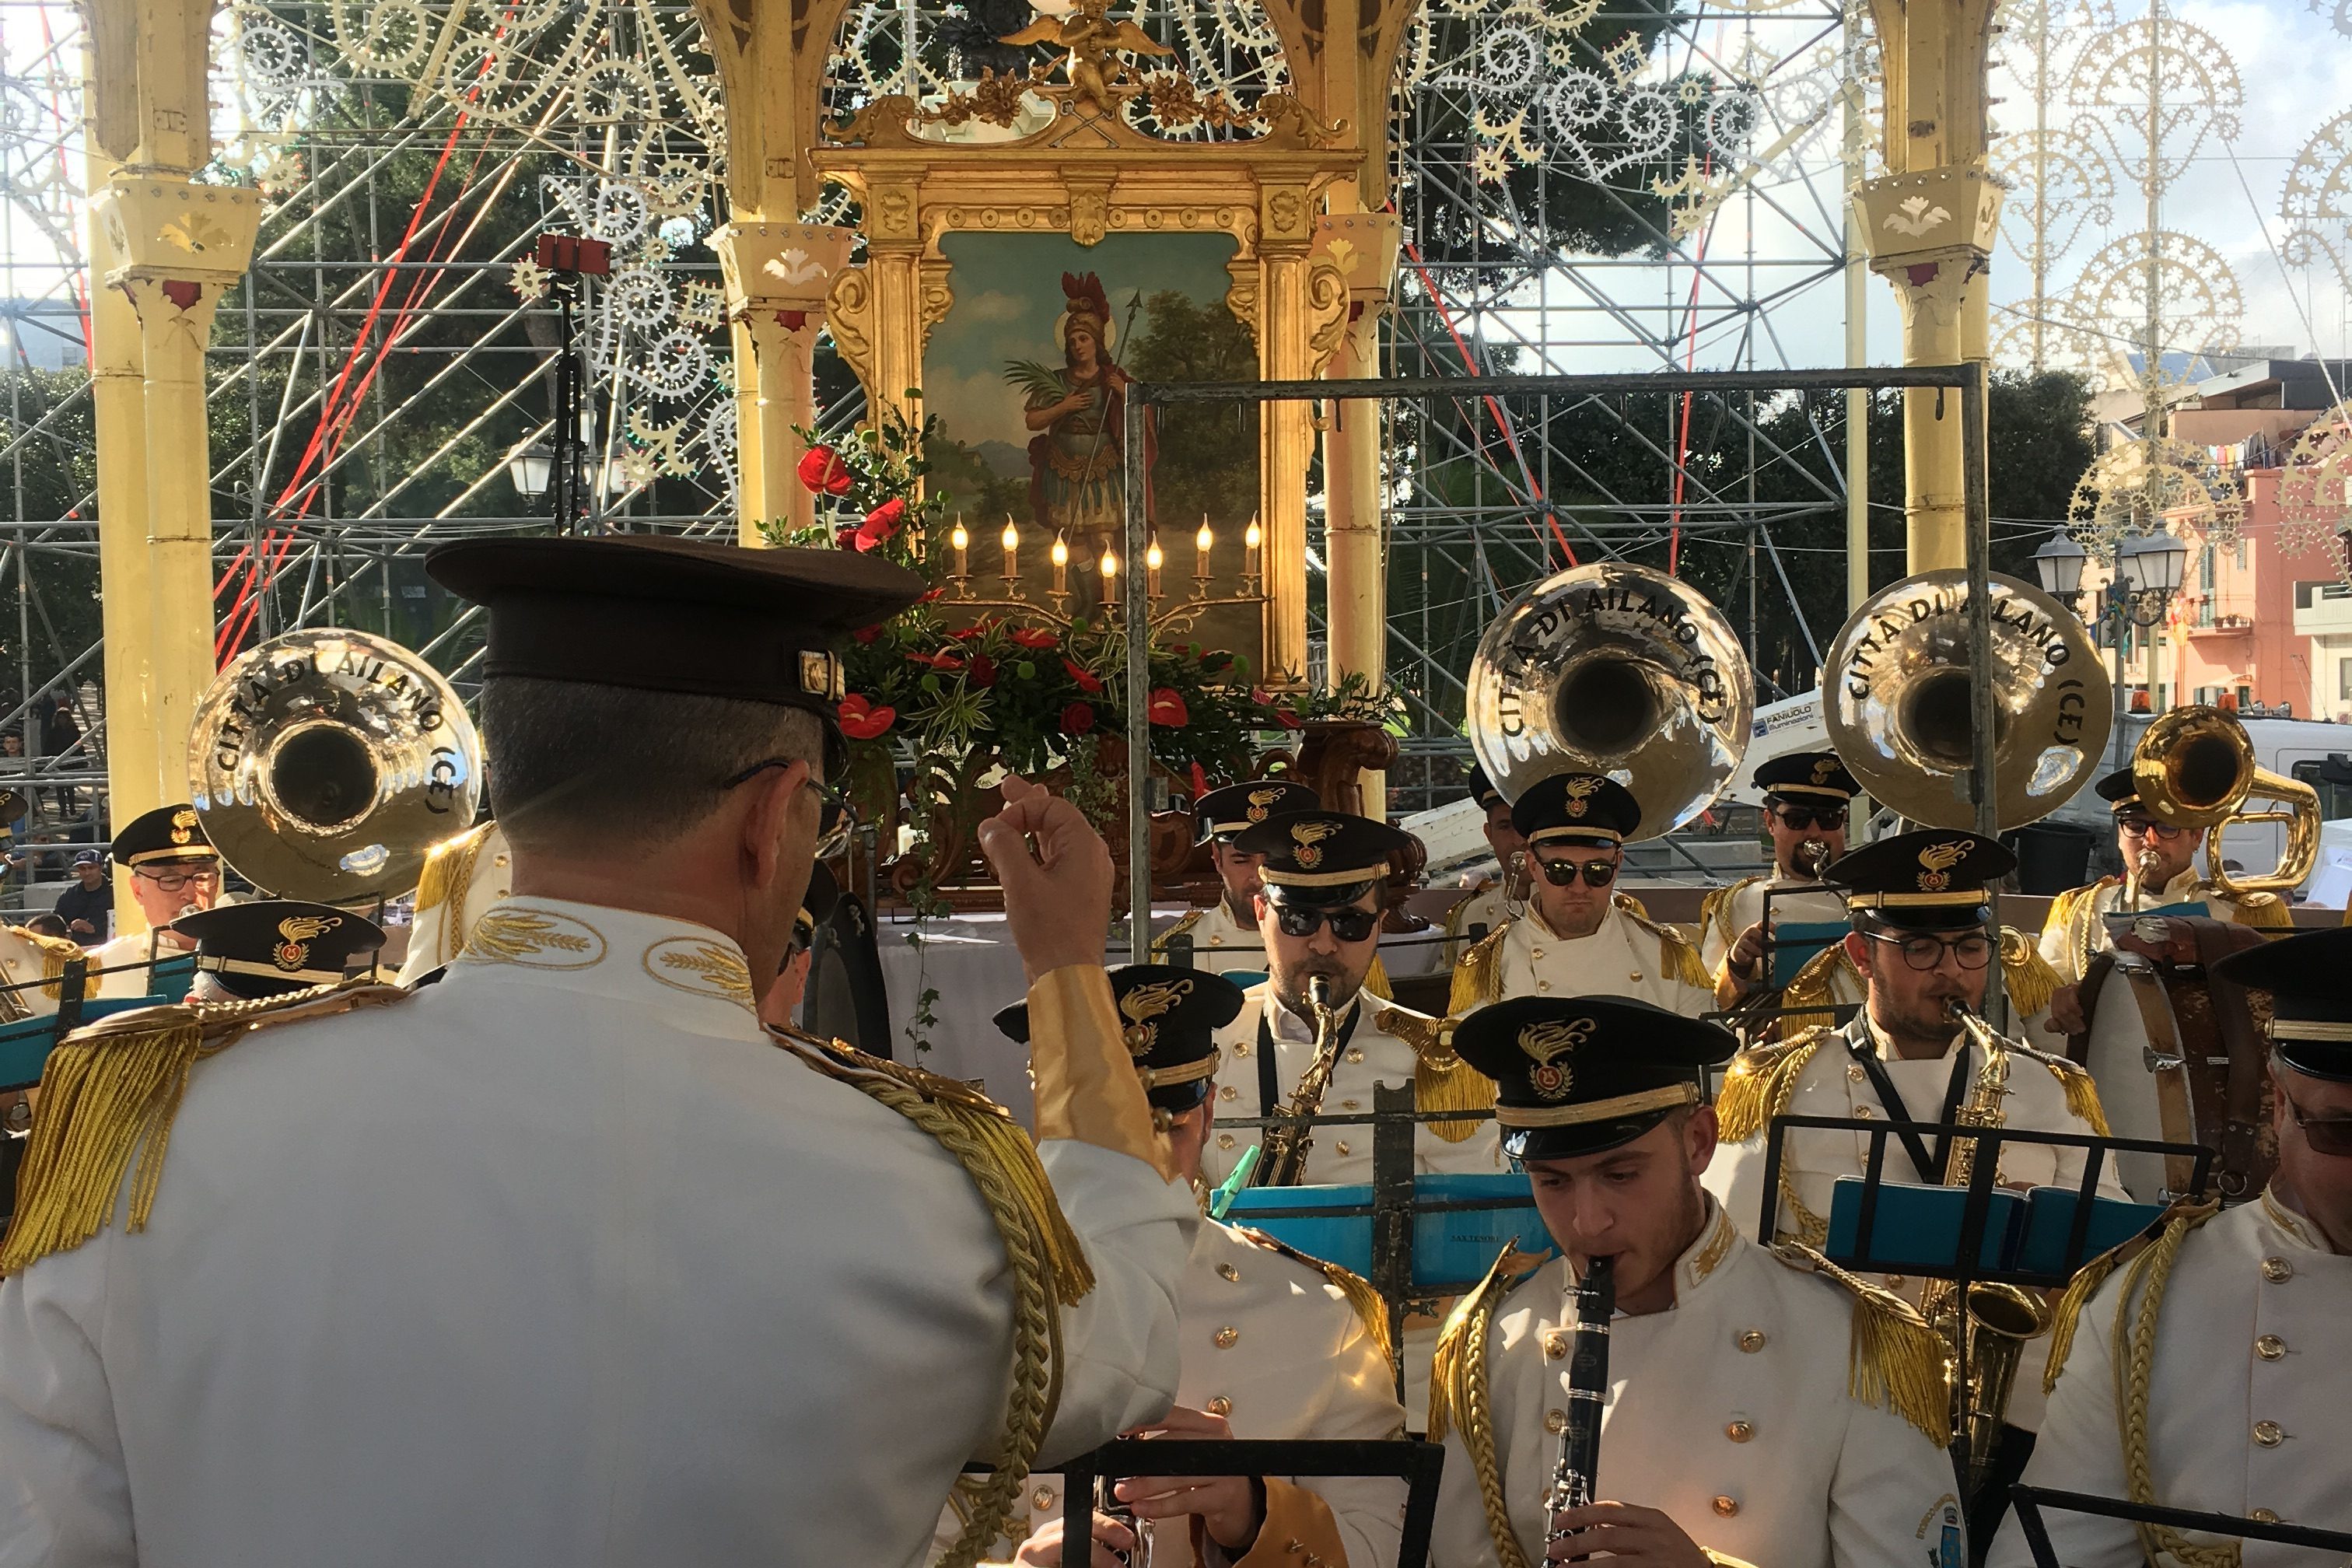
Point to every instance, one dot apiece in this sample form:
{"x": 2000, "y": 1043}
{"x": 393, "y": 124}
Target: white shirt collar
{"x": 1289, "y": 1026}
{"x": 627, "y": 954}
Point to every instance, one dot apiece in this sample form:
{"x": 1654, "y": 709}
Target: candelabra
{"x": 1063, "y": 605}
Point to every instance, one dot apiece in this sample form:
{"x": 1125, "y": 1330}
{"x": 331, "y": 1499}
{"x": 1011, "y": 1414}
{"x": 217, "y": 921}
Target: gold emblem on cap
{"x": 1261, "y": 801}
{"x": 821, "y": 675}
{"x": 1545, "y": 1043}
{"x": 1579, "y": 792}
{"x": 184, "y": 825}
{"x": 300, "y": 932}
{"x": 1938, "y": 860}
{"x": 1306, "y": 840}
{"x": 1823, "y": 768}
{"x": 1146, "y": 1003}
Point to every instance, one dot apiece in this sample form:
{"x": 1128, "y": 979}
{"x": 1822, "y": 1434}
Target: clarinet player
{"x": 1756, "y": 1406}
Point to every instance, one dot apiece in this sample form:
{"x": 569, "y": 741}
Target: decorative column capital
{"x": 778, "y": 275}
{"x": 1364, "y": 247}
{"x": 1928, "y": 234}
{"x": 180, "y": 245}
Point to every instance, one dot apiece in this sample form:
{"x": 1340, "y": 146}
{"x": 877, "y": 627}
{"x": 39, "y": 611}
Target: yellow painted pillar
{"x": 1363, "y": 247}
{"x": 1930, "y": 225}
{"x": 1285, "y": 430}
{"x": 777, "y": 277}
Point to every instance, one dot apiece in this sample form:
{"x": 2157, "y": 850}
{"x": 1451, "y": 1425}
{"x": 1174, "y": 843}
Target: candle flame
{"x": 1012, "y": 536}
{"x": 1152, "y": 555}
{"x": 1109, "y": 562}
{"x": 1202, "y": 539}
{"x": 1256, "y": 536}
{"x": 958, "y": 537}
{"x": 1061, "y": 552}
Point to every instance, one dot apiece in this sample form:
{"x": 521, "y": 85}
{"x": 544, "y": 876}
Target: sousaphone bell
{"x": 325, "y": 763}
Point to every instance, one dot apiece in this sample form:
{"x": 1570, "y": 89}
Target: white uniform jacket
{"x": 1483, "y": 910}
{"x": 2244, "y": 1393}
{"x": 1387, "y": 1045}
{"x": 1626, "y": 955}
{"x": 1818, "y": 1074}
{"x": 125, "y": 961}
{"x": 2076, "y": 930}
{"x": 561, "y": 1261}
{"x": 1731, "y": 910}
{"x": 1220, "y": 942}
{"x": 1284, "y": 1349}
{"x": 463, "y": 878}
{"x": 1729, "y": 1412}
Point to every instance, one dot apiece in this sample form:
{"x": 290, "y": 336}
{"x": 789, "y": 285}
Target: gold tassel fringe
{"x": 1441, "y": 1080}
{"x": 1759, "y": 1086}
{"x": 2082, "y": 1093}
{"x": 2264, "y": 911}
{"x": 1814, "y": 986}
{"x": 106, "y": 1094}
{"x": 57, "y": 952}
{"x": 1895, "y": 1361}
{"x": 449, "y": 869}
{"x": 1376, "y": 981}
{"x": 2025, "y": 973}
{"x": 1371, "y": 1306}
{"x": 1478, "y": 978}
{"x": 1459, "y": 1395}
{"x": 2066, "y": 1313}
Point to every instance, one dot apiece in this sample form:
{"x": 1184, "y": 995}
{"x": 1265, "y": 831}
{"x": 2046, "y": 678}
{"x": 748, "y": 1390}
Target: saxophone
{"x": 1282, "y": 1159}
{"x": 1987, "y": 1331}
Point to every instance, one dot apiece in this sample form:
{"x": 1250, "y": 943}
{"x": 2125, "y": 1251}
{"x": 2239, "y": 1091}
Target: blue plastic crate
{"x": 1917, "y": 1226}
{"x": 1450, "y": 1247}
{"x": 2050, "y": 1220}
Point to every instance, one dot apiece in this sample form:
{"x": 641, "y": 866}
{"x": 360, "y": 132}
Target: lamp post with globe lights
{"x": 2146, "y": 575}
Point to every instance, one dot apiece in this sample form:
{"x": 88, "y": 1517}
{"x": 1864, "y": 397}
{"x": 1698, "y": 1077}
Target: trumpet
{"x": 1811, "y": 855}
{"x": 2194, "y": 767}
{"x": 1282, "y": 1160}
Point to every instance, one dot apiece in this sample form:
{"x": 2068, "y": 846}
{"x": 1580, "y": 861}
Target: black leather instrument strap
{"x": 1931, "y": 1168}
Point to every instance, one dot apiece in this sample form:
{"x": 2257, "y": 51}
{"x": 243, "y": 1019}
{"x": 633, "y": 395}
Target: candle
{"x": 959, "y": 539}
{"x": 1011, "y": 537}
{"x": 1200, "y": 542}
{"x": 1251, "y": 540}
{"x": 1151, "y": 558}
{"x": 1061, "y": 564}
{"x": 1110, "y": 576}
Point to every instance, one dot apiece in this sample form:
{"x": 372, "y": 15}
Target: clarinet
{"x": 1573, "y": 1474}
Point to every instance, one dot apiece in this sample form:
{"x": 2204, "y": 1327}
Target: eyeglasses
{"x": 834, "y": 818}
{"x": 2141, "y": 827}
{"x": 1923, "y": 954}
{"x": 1563, "y": 873}
{"x": 1347, "y": 925}
{"x": 2326, "y": 1134}
{"x": 1797, "y": 818}
{"x": 174, "y": 882}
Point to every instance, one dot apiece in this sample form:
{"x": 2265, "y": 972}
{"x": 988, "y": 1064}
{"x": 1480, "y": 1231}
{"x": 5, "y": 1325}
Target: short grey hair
{"x": 571, "y": 765}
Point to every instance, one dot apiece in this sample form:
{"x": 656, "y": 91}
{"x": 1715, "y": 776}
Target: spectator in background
{"x": 87, "y": 906}
{"x": 60, "y": 735}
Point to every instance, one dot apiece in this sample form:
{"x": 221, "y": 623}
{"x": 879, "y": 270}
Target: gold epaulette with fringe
{"x": 57, "y": 952}
{"x": 2067, "y": 1312}
{"x": 448, "y": 869}
{"x": 1458, "y": 1393}
{"x": 1370, "y": 1308}
{"x": 1677, "y": 956}
{"x": 992, "y": 1147}
{"x": 1478, "y": 978}
{"x": 1191, "y": 917}
{"x": 1376, "y": 981}
{"x": 1460, "y": 913}
{"x": 2082, "y": 1092}
{"x": 1814, "y": 986}
{"x": 109, "y": 1091}
{"x": 2025, "y": 974}
{"x": 1716, "y": 908}
{"x": 1631, "y": 905}
{"x": 1758, "y": 1084}
{"x": 2264, "y": 911}
{"x": 1441, "y": 1080}
{"x": 2075, "y": 915}
{"x": 1895, "y": 1361}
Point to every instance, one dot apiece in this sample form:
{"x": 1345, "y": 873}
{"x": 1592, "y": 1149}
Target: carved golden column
{"x": 777, "y": 277}
{"x": 1285, "y": 430}
{"x": 1930, "y": 225}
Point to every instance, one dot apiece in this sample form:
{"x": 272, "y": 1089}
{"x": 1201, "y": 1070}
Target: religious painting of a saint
{"x": 1028, "y": 374}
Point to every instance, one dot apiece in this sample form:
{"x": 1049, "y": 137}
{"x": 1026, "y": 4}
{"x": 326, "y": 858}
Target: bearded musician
{"x": 1225, "y": 935}
{"x": 2160, "y": 877}
{"x": 1580, "y": 937}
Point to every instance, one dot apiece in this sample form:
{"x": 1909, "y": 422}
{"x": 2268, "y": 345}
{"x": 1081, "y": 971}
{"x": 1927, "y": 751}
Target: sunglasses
{"x": 1797, "y": 818}
{"x": 834, "y": 817}
{"x": 2326, "y": 1134}
{"x": 1923, "y": 954}
{"x": 2141, "y": 827}
{"x": 1563, "y": 873}
{"x": 1347, "y": 925}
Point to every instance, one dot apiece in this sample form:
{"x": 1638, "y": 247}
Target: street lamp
{"x": 2058, "y": 564}
{"x": 531, "y": 468}
{"x": 2146, "y": 575}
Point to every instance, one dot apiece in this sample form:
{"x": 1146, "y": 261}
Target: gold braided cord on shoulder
{"x": 2264, "y": 911}
{"x": 2024, "y": 973}
{"x": 1758, "y": 1084}
{"x": 1013, "y": 1186}
{"x": 1459, "y": 1395}
{"x": 1459, "y": 915}
{"x": 1371, "y": 1306}
{"x": 1441, "y": 1080}
{"x": 109, "y": 1092}
{"x": 2081, "y": 921}
{"x": 1191, "y": 917}
{"x": 1715, "y": 909}
{"x": 1894, "y": 1359}
{"x": 1815, "y": 986}
{"x": 1478, "y": 978}
{"x": 2135, "y": 1354}
{"x": 2067, "y": 1312}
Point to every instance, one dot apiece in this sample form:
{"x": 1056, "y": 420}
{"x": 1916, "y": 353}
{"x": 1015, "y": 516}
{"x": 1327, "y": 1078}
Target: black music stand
{"x": 1418, "y": 1462}
{"x": 2028, "y": 1502}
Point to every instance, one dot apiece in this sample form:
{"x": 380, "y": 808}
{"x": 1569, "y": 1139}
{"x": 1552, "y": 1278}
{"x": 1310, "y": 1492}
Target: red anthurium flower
{"x": 969, "y": 633}
{"x": 1034, "y": 637}
{"x": 867, "y": 634}
{"x": 934, "y": 593}
{"x": 1200, "y": 781}
{"x": 1089, "y": 684}
{"x": 1166, "y": 708}
{"x": 1285, "y": 718}
{"x": 940, "y": 661}
{"x": 1079, "y": 719}
{"x": 861, "y": 720}
{"x": 982, "y": 672}
{"x": 881, "y": 522}
{"x": 845, "y": 537}
{"x": 824, "y": 473}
